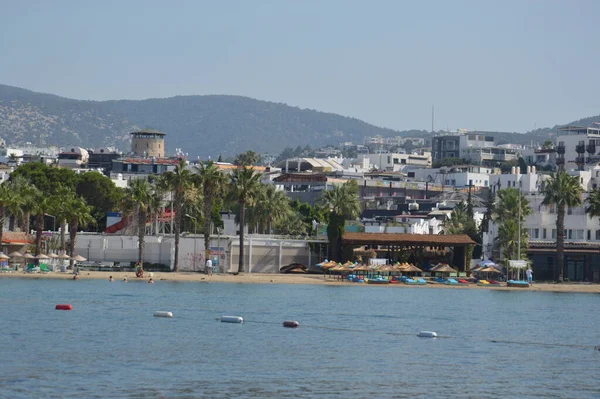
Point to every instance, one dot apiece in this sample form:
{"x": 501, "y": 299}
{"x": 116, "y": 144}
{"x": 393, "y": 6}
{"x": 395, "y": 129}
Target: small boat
{"x": 463, "y": 281}
{"x": 377, "y": 280}
{"x": 517, "y": 284}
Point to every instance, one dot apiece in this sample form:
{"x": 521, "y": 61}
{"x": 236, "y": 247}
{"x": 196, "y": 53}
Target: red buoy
{"x": 291, "y": 324}
{"x": 63, "y": 306}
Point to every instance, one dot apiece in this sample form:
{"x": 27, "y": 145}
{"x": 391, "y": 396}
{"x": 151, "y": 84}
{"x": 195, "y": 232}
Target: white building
{"x": 396, "y": 161}
{"x": 459, "y": 176}
{"x": 578, "y": 146}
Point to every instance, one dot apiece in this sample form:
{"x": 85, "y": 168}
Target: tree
{"x": 5, "y": 199}
{"x": 138, "y": 197}
{"x": 506, "y": 167}
{"x": 247, "y": 158}
{"x": 212, "y": 181}
{"x": 271, "y": 207}
{"x": 562, "y": 191}
{"x": 41, "y": 205}
{"x": 548, "y": 145}
{"x": 179, "y": 182}
{"x": 245, "y": 184}
{"x": 342, "y": 202}
{"x": 61, "y": 205}
{"x": 593, "y": 201}
{"x": 79, "y": 215}
{"x": 506, "y": 215}
{"x": 100, "y": 193}
{"x": 14, "y": 203}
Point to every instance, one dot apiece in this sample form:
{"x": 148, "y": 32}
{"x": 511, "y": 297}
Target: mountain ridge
{"x": 198, "y": 124}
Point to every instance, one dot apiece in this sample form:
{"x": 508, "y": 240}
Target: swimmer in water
{"x": 111, "y": 279}
{"x": 125, "y": 280}
{"x": 150, "y": 281}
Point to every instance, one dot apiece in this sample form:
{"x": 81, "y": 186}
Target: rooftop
{"x": 407, "y": 239}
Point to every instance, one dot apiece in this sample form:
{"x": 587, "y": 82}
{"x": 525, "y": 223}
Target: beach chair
{"x": 44, "y": 268}
{"x": 421, "y": 281}
{"x": 31, "y": 268}
{"x": 451, "y": 281}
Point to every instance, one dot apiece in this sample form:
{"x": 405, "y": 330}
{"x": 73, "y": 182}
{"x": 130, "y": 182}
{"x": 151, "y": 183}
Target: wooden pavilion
{"x": 395, "y": 243}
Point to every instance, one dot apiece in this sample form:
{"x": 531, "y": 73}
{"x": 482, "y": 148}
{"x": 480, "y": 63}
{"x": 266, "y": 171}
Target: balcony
{"x": 591, "y": 148}
{"x": 560, "y": 161}
{"x": 580, "y": 148}
{"x": 580, "y": 160}
{"x": 560, "y": 149}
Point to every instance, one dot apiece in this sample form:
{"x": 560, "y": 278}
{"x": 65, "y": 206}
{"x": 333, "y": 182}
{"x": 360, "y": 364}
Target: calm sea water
{"x": 354, "y": 342}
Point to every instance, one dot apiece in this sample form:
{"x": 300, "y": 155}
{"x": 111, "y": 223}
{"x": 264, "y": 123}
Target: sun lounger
{"x": 421, "y": 281}
{"x": 451, "y": 281}
{"x": 31, "y": 268}
{"x": 44, "y": 268}
{"x": 463, "y": 281}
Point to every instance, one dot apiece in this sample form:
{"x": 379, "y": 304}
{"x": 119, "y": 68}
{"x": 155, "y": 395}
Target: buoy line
{"x": 405, "y": 334}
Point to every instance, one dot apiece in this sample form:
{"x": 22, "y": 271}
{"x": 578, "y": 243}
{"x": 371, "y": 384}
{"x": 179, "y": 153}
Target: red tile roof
{"x": 407, "y": 239}
{"x": 11, "y": 237}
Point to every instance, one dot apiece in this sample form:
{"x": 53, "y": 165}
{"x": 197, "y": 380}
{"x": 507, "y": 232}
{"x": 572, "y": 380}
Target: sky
{"x": 505, "y": 65}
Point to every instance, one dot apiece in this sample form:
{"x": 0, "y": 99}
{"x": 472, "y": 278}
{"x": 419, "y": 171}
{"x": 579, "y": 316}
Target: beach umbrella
{"x": 78, "y": 258}
{"x": 488, "y": 270}
{"x": 42, "y": 256}
{"x": 63, "y": 256}
{"x": 15, "y": 254}
{"x": 4, "y": 256}
{"x": 52, "y": 255}
{"x": 28, "y": 256}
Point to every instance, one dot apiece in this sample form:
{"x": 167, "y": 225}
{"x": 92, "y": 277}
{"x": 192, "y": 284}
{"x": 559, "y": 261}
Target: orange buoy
{"x": 291, "y": 324}
{"x": 63, "y": 306}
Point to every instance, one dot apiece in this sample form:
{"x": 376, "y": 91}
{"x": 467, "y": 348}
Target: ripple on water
{"x": 351, "y": 342}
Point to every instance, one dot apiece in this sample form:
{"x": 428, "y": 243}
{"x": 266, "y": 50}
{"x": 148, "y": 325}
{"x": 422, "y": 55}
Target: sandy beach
{"x": 259, "y": 278}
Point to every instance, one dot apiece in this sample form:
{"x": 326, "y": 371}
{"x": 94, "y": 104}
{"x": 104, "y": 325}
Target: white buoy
{"x": 427, "y": 334}
{"x": 163, "y": 314}
{"x": 232, "y": 319}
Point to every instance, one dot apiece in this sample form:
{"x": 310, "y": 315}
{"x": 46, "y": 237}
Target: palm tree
{"x": 179, "y": 181}
{"x": 459, "y": 221}
{"x": 563, "y": 191}
{"x": 342, "y": 202}
{"x": 61, "y": 202}
{"x": 273, "y": 206}
{"x": 245, "y": 184}
{"x": 593, "y": 201}
{"x": 6, "y": 197}
{"x": 79, "y": 215}
{"x": 40, "y": 205}
{"x": 506, "y": 215}
{"x": 138, "y": 198}
{"x": 213, "y": 188}
{"x": 26, "y": 193}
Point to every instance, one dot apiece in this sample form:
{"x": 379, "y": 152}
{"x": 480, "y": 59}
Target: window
{"x": 389, "y": 159}
{"x": 534, "y": 233}
{"x": 554, "y": 234}
{"x": 597, "y": 234}
{"x": 579, "y": 234}
{"x": 544, "y": 234}
{"x": 589, "y": 235}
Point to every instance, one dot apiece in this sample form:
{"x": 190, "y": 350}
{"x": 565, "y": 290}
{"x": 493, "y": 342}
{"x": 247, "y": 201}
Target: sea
{"x": 352, "y": 342}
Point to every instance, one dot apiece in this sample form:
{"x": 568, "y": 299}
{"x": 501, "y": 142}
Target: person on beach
{"x": 111, "y": 279}
{"x": 139, "y": 272}
{"x": 209, "y": 266}
{"x": 76, "y": 277}
{"x": 529, "y": 274}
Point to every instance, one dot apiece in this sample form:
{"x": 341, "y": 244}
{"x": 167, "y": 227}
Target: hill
{"x": 200, "y": 125}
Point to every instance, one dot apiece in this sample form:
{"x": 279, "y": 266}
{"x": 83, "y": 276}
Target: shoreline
{"x": 263, "y": 278}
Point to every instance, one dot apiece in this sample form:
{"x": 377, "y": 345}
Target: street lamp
{"x": 195, "y": 236}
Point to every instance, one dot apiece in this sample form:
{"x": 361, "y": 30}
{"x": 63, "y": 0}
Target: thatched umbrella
{"x": 412, "y": 269}
{"x": 78, "y": 258}
{"x": 488, "y": 270}
{"x": 15, "y": 254}
{"x": 443, "y": 269}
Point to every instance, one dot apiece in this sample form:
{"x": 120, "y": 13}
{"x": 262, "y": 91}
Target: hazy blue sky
{"x": 488, "y": 65}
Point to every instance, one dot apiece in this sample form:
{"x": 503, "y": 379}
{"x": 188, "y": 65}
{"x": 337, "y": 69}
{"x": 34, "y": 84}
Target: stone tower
{"x": 148, "y": 143}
